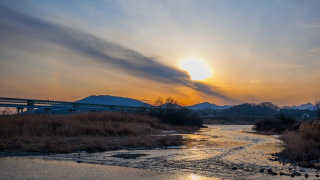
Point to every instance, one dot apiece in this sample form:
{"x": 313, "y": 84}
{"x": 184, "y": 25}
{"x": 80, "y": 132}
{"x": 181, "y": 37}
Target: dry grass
{"x": 82, "y": 124}
{"x": 84, "y": 131}
{"x": 85, "y": 143}
{"x": 304, "y": 144}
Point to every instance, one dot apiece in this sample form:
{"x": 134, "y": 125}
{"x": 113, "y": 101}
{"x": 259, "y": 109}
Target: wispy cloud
{"x": 16, "y": 26}
{"x": 314, "y": 50}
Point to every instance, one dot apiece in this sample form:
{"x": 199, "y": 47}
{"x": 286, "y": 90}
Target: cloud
{"x": 16, "y": 27}
{"x": 199, "y": 86}
{"x": 314, "y": 50}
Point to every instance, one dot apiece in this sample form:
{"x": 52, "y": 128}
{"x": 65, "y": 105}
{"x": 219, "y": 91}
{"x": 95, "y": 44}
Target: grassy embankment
{"x": 85, "y": 131}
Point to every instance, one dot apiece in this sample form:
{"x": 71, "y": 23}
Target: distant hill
{"x": 307, "y": 106}
{"x": 207, "y": 105}
{"x": 266, "y": 109}
{"x": 112, "y": 100}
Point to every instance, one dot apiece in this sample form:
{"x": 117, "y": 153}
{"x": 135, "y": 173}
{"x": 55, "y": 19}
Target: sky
{"x": 67, "y": 50}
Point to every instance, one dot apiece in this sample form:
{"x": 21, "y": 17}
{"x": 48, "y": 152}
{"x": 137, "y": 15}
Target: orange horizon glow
{"x": 221, "y": 54}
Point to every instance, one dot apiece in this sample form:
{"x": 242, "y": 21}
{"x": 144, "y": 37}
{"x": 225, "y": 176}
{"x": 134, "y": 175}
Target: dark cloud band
{"x": 15, "y": 26}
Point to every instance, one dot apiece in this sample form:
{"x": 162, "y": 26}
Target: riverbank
{"x": 219, "y": 151}
{"x": 90, "y": 132}
{"x": 301, "y": 140}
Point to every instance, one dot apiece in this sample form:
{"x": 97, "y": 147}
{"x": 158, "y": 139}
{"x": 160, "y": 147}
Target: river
{"x": 216, "y": 152}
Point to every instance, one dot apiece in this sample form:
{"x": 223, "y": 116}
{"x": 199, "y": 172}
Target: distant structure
{"x": 305, "y": 116}
{"x": 48, "y": 106}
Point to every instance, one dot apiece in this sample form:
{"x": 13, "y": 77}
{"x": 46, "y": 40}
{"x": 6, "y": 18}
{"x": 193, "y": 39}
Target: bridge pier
{"x": 47, "y": 110}
{"x": 30, "y": 110}
{"x": 19, "y": 110}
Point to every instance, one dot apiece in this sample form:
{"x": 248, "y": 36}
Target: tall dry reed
{"x": 82, "y": 124}
{"x": 304, "y": 144}
{"x": 82, "y": 131}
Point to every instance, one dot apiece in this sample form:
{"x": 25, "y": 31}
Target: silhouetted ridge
{"x": 112, "y": 100}
{"x": 253, "y": 109}
{"x": 207, "y": 105}
{"x": 308, "y": 106}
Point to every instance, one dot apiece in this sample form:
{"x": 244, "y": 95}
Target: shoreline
{"x": 279, "y": 157}
{"x": 29, "y": 168}
{"x": 212, "y": 153}
{"x": 282, "y": 157}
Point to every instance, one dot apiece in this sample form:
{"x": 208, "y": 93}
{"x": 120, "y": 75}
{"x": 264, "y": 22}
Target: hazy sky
{"x": 257, "y": 50}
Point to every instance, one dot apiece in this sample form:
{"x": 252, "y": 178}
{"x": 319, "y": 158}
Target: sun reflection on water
{"x": 197, "y": 177}
{"x": 194, "y": 177}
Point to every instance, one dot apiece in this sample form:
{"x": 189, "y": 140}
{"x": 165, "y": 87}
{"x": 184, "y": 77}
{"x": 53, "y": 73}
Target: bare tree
{"x": 158, "y": 107}
{"x": 170, "y": 111}
{"x": 158, "y": 102}
{"x": 317, "y": 105}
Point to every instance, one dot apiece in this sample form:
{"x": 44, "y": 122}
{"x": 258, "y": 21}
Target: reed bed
{"x": 304, "y": 144}
{"x": 90, "y": 131}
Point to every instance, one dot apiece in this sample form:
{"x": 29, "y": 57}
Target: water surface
{"x": 213, "y": 152}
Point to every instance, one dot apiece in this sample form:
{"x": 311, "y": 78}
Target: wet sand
{"x": 218, "y": 152}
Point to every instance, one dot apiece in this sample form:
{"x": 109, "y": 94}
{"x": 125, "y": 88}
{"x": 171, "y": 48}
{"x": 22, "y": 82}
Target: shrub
{"x": 265, "y": 125}
{"x": 286, "y": 119}
{"x": 172, "y": 112}
{"x": 281, "y": 123}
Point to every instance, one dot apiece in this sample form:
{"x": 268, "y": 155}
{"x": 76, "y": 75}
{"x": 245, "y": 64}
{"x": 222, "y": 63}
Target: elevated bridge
{"x": 48, "y": 105}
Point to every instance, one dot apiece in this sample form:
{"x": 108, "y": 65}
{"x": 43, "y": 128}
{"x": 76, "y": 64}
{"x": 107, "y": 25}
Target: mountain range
{"x": 123, "y": 101}
{"x": 307, "y": 106}
{"x": 207, "y": 105}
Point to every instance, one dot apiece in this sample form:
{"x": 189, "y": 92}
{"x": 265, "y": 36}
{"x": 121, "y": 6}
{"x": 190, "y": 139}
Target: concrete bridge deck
{"x": 49, "y": 105}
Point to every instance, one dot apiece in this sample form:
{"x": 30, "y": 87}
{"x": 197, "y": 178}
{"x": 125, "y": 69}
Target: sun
{"x": 197, "y": 68}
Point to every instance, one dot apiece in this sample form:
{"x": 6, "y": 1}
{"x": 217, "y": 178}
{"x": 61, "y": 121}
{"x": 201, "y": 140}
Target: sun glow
{"x": 196, "y": 67}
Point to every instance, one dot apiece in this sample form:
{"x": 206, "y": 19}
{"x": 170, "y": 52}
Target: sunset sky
{"x": 251, "y": 51}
